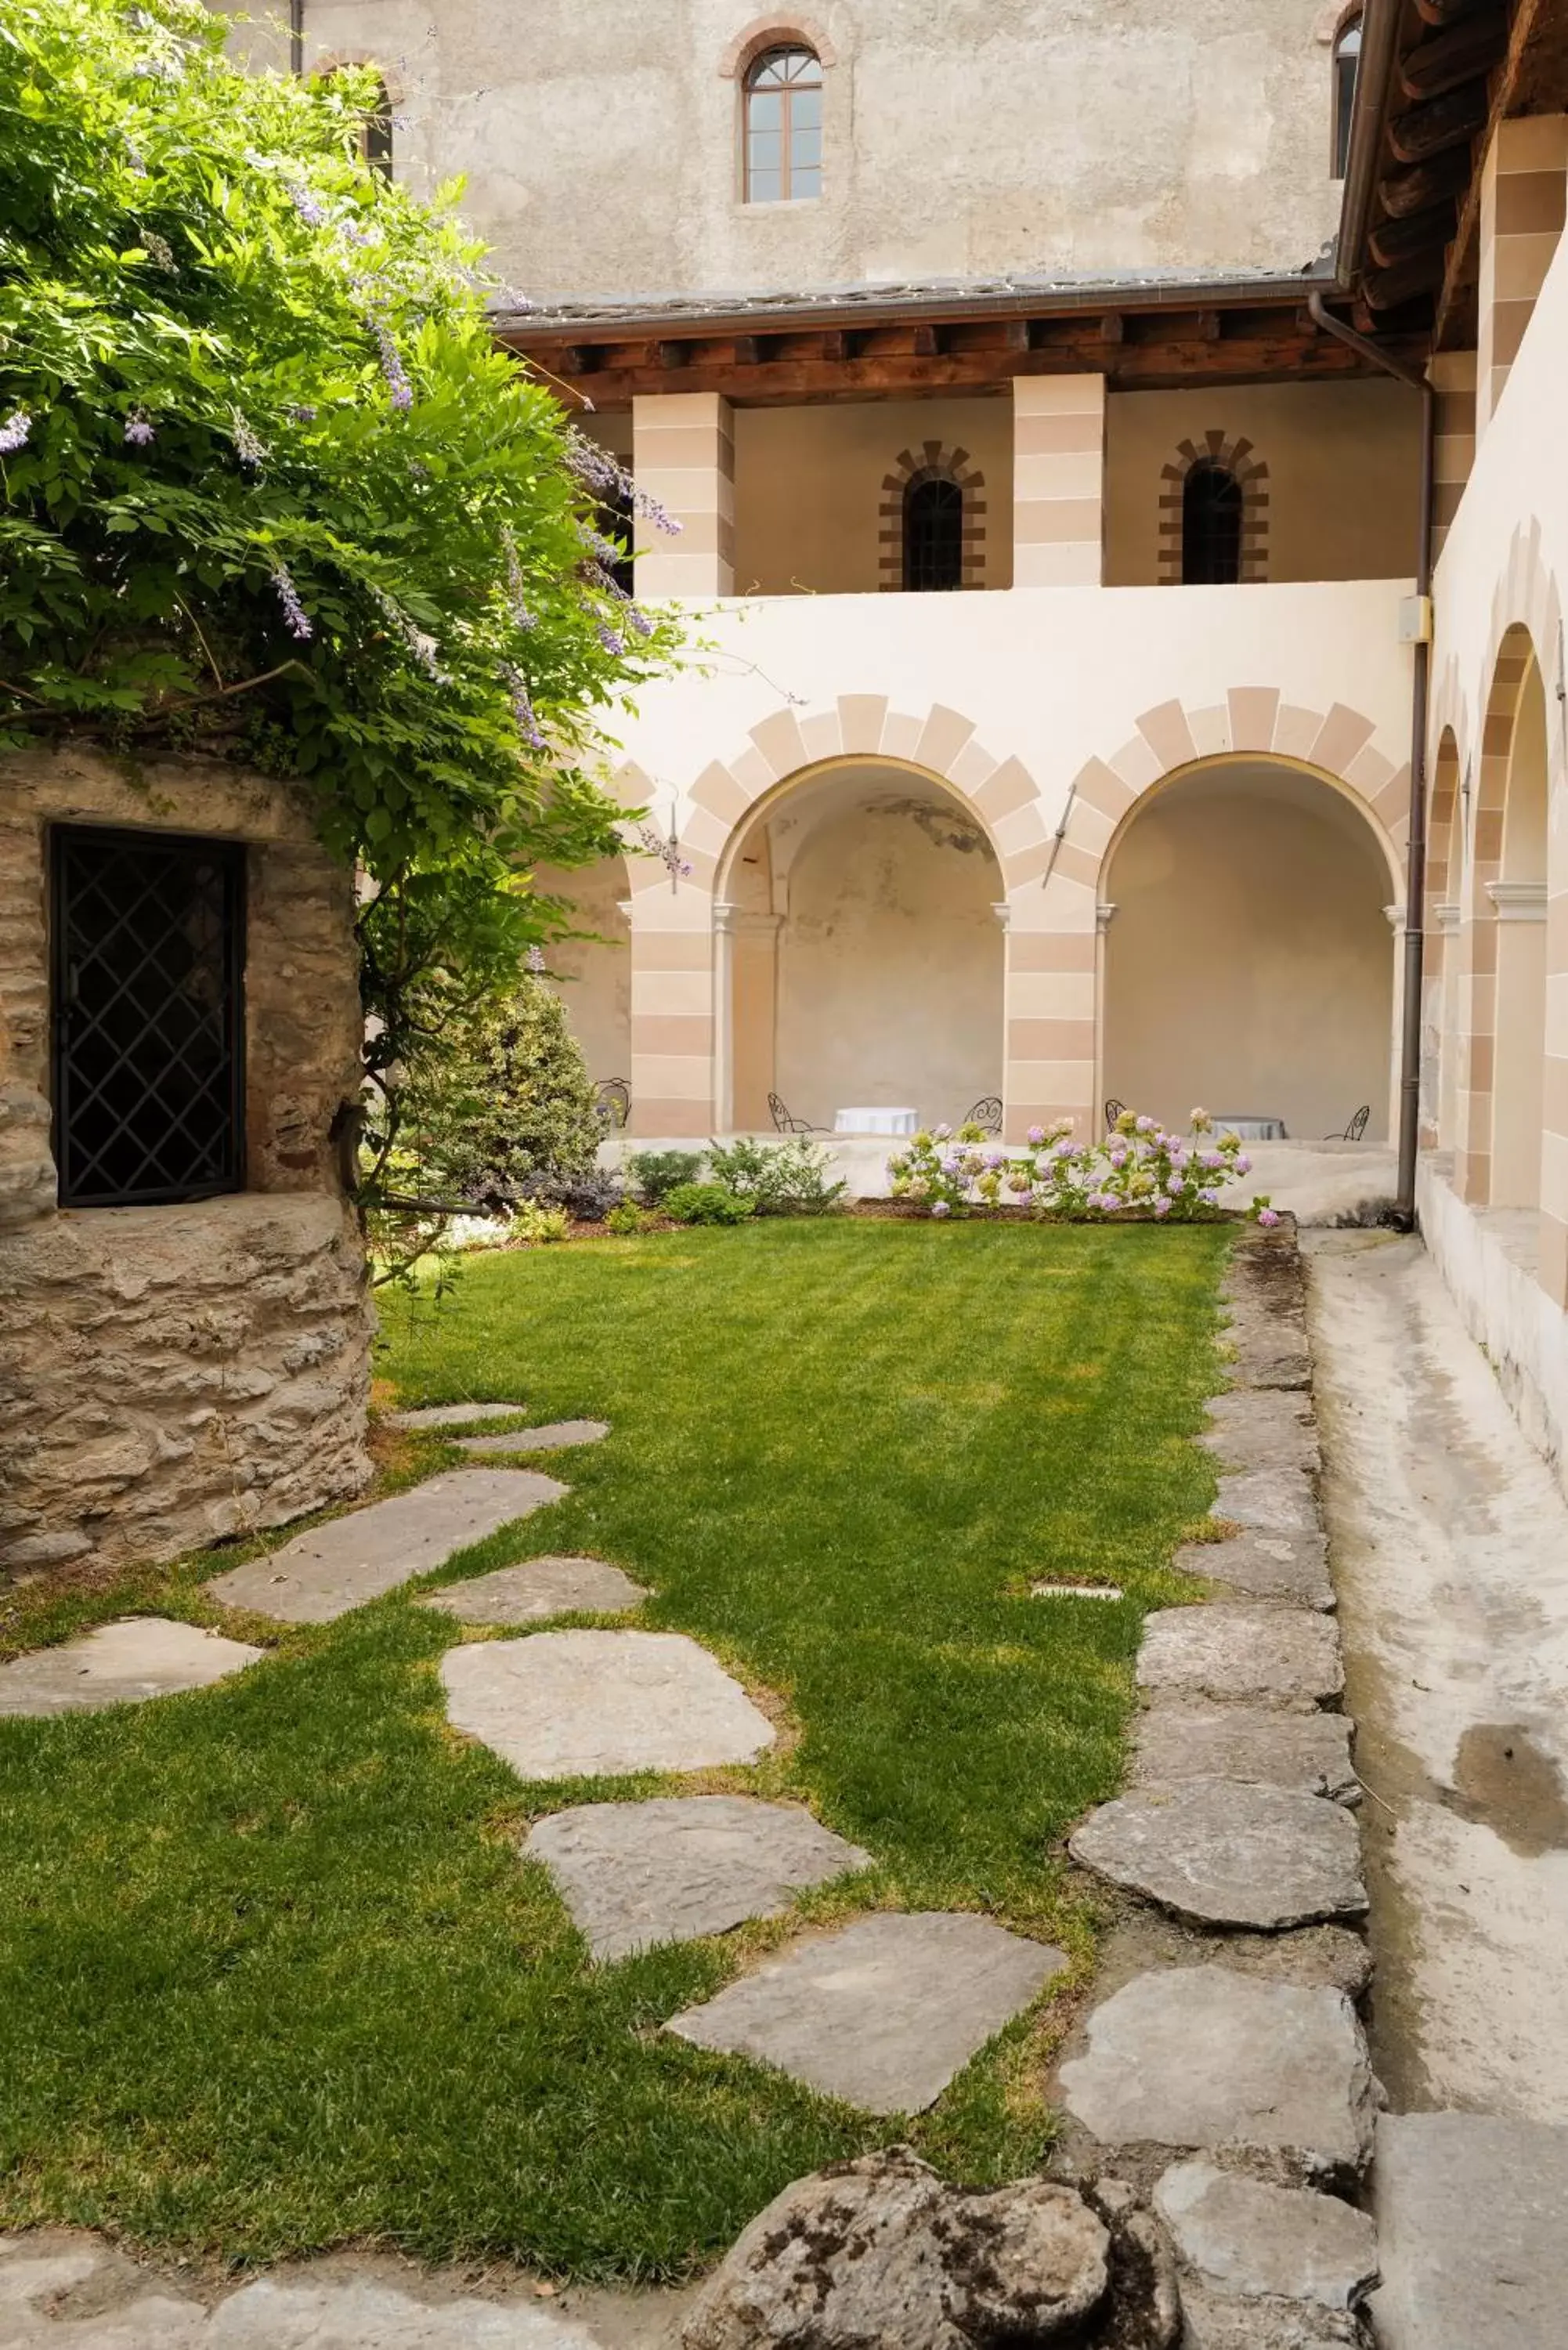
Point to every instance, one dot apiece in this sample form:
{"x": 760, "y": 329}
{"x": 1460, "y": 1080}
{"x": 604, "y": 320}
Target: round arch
{"x": 1248, "y": 961}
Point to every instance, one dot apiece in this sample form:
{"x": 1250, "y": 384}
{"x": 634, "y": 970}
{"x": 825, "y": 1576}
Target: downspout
{"x": 1415, "y": 863}
{"x": 296, "y": 36}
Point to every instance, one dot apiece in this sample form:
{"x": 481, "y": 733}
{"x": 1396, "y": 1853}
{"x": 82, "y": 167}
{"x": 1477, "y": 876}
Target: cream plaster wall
{"x": 1345, "y": 474}
{"x": 593, "y": 976}
{"x": 599, "y": 142}
{"x": 890, "y": 965}
{"x": 808, "y": 488}
{"x": 1248, "y": 964}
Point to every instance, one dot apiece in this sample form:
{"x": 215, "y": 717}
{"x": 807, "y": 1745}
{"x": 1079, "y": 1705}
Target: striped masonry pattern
{"x": 683, "y": 458}
{"x": 1252, "y": 476}
{"x": 1058, "y": 481}
{"x": 1523, "y": 185}
{"x": 1453, "y": 379}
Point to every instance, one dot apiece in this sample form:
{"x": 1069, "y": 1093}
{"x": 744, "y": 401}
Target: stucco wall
{"x": 173, "y": 1375}
{"x": 1344, "y": 473}
{"x": 600, "y": 142}
{"x": 1248, "y": 964}
{"x": 593, "y": 976}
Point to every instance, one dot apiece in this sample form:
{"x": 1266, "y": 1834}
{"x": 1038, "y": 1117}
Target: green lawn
{"x": 272, "y": 1975}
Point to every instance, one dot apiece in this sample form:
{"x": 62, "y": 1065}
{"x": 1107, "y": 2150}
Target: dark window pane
{"x": 1211, "y": 527}
{"x": 933, "y": 536}
{"x": 148, "y": 948}
{"x": 1346, "y": 60}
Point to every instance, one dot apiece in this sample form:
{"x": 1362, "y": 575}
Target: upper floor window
{"x": 783, "y": 126}
{"x": 147, "y": 939}
{"x": 933, "y": 534}
{"x": 1346, "y": 62}
{"x": 1211, "y": 527}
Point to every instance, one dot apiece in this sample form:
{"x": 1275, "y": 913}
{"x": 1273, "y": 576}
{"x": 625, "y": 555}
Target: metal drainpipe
{"x": 1415, "y": 865}
{"x": 296, "y": 36}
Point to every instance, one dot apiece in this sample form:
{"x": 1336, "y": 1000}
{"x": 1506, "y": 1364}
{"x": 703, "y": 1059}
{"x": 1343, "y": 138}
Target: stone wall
{"x": 170, "y": 1375}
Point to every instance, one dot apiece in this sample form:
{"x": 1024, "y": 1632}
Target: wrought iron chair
{"x": 1356, "y": 1129}
{"x": 987, "y": 1112}
{"x": 785, "y": 1123}
{"x": 1113, "y": 1109}
{"x": 612, "y": 1099}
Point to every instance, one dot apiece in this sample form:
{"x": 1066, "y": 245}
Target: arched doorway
{"x": 1249, "y": 965}
{"x": 861, "y": 950}
{"x": 1518, "y": 899}
{"x": 592, "y": 975}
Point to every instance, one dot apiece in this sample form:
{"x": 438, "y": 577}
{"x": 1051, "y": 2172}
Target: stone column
{"x": 684, "y": 456}
{"x": 1522, "y": 214}
{"x": 672, "y": 1010}
{"x": 746, "y": 1023}
{"x": 1395, "y": 918}
{"x": 1058, "y": 480}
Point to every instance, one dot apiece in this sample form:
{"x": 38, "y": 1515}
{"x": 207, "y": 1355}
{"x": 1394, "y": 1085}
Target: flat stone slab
{"x": 1267, "y": 1501}
{"x": 1262, "y": 1428}
{"x": 453, "y": 1415}
{"x": 1292, "y": 1567}
{"x": 1225, "y": 1852}
{"x": 636, "y": 1874}
{"x": 882, "y": 2014}
{"x": 1202, "y": 2057}
{"x": 1472, "y": 2233}
{"x": 538, "y": 1588}
{"x": 120, "y": 1664}
{"x": 1259, "y": 2242}
{"x": 558, "y": 1437}
{"x": 1241, "y": 1656}
{"x": 322, "y": 1575}
{"x": 591, "y": 1705}
{"x": 1308, "y": 1751}
{"x": 1222, "y": 2321}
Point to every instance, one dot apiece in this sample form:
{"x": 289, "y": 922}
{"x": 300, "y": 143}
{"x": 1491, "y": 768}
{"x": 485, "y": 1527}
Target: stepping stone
{"x": 1256, "y": 2242}
{"x": 592, "y": 1705}
{"x": 1309, "y": 1752}
{"x": 1267, "y": 1501}
{"x": 1262, "y": 1428}
{"x": 882, "y": 2014}
{"x": 1202, "y": 2057}
{"x": 322, "y": 1575}
{"x": 452, "y": 1415}
{"x": 666, "y": 1871}
{"x": 120, "y": 1664}
{"x": 1270, "y": 1350}
{"x": 1289, "y": 1567}
{"x": 556, "y": 1438}
{"x": 1469, "y": 2214}
{"x": 1220, "y": 1852}
{"x": 1241, "y": 1656}
{"x": 539, "y": 1588}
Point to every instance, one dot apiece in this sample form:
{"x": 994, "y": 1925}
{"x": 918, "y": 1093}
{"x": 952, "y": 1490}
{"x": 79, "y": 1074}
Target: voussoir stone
{"x": 123, "y": 1663}
{"x": 1240, "y": 1655}
{"x": 1268, "y": 1500}
{"x": 636, "y": 1874}
{"x": 589, "y": 1705}
{"x": 882, "y": 2013}
{"x": 557, "y": 1437}
{"x": 1260, "y": 2243}
{"x": 321, "y": 1574}
{"x": 453, "y": 1415}
{"x": 1291, "y": 1568}
{"x": 881, "y": 2251}
{"x": 1203, "y": 2056}
{"x": 1264, "y": 1744}
{"x": 1226, "y": 1852}
{"x": 538, "y": 1588}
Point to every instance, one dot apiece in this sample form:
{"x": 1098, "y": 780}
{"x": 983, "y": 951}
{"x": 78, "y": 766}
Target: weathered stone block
{"x": 1246, "y": 1656}
{"x": 1221, "y": 1852}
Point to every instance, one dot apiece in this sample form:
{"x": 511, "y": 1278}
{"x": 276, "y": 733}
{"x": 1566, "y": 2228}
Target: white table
{"x": 1252, "y": 1126}
{"x": 875, "y": 1121}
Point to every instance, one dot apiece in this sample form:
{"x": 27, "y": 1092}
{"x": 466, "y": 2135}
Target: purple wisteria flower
{"x": 422, "y": 646}
{"x": 612, "y": 641}
{"x": 514, "y": 590}
{"x": 249, "y": 446}
{"x": 14, "y": 431}
{"x": 535, "y": 960}
{"x": 135, "y": 162}
{"x": 159, "y": 250}
{"x": 596, "y": 467}
{"x": 523, "y": 711}
{"x": 139, "y": 428}
{"x": 294, "y": 611}
{"x": 305, "y": 414}
{"x": 309, "y": 207}
{"x": 651, "y": 511}
{"x": 392, "y": 366}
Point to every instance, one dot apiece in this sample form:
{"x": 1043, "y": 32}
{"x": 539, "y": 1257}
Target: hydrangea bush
{"x": 1140, "y": 1169}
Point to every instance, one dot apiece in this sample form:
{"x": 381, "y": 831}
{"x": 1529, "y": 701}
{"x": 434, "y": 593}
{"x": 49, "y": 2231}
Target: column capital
{"x": 1518, "y": 901}
{"x": 1105, "y": 915}
{"x": 1002, "y": 909}
{"x": 1394, "y": 917}
{"x": 744, "y": 921}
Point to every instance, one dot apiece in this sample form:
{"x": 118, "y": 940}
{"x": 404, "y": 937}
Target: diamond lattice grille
{"x": 148, "y": 957}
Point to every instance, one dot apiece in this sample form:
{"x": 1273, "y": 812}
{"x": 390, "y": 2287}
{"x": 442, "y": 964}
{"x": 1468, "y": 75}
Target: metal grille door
{"x": 148, "y": 968}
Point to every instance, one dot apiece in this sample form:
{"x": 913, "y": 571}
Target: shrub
{"x": 627, "y": 1217}
{"x": 589, "y": 1197}
{"x": 656, "y": 1172}
{"x": 535, "y": 1224}
{"x": 1138, "y": 1168}
{"x": 706, "y": 1203}
{"x": 784, "y": 1179}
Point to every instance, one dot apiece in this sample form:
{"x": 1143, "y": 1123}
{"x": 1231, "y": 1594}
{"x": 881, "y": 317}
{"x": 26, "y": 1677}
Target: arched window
{"x": 1346, "y": 60}
{"x": 1211, "y": 527}
{"x": 933, "y": 535}
{"x": 783, "y": 126}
